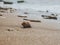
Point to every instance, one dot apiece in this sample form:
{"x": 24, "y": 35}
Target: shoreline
{"x": 45, "y": 33}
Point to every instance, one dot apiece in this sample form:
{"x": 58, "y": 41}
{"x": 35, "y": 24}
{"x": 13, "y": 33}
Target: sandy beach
{"x": 46, "y": 32}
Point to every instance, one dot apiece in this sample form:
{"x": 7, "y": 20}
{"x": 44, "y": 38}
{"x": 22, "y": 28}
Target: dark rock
{"x": 8, "y": 2}
{"x": 49, "y": 17}
{"x": 8, "y": 29}
{"x": 26, "y": 25}
{"x": 20, "y": 1}
{"x": 21, "y": 16}
{"x": 42, "y": 15}
{"x": 0, "y": 14}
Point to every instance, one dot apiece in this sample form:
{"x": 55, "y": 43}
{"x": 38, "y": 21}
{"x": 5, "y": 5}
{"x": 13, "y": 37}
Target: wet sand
{"x": 44, "y": 33}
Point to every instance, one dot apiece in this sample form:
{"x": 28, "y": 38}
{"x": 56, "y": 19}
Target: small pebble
{"x": 9, "y": 30}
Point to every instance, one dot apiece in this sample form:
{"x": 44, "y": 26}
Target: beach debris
{"x": 32, "y": 20}
{"x": 49, "y": 17}
{"x": 21, "y": 16}
{"x": 26, "y": 25}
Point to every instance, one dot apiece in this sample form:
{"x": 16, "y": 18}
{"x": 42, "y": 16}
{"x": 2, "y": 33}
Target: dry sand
{"x": 44, "y": 33}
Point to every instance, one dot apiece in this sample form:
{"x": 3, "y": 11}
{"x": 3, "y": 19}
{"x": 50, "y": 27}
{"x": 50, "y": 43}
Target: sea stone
{"x": 26, "y": 25}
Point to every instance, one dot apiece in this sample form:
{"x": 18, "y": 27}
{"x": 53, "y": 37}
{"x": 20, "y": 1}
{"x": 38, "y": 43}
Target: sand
{"x": 44, "y": 33}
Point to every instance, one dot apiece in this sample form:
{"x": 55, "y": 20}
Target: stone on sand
{"x": 0, "y": 14}
{"x": 26, "y": 25}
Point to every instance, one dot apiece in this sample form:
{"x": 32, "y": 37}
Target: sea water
{"x": 37, "y": 5}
